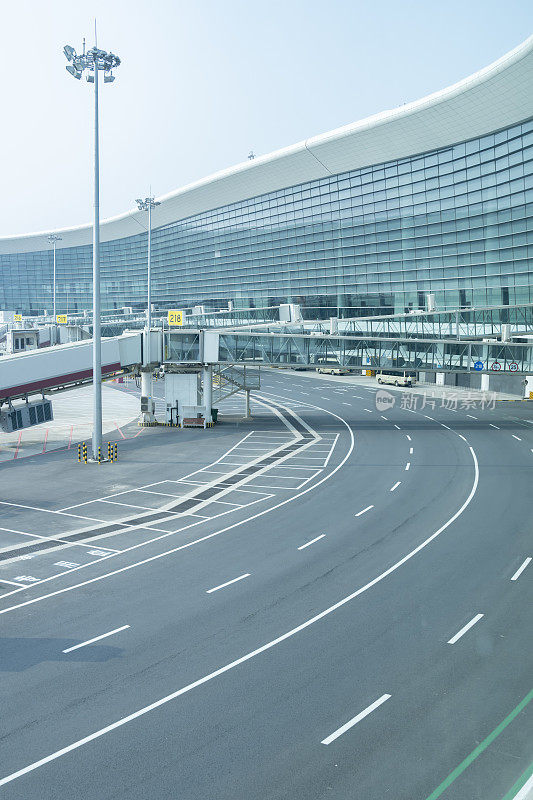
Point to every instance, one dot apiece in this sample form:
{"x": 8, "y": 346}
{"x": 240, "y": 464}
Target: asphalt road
{"x": 329, "y": 600}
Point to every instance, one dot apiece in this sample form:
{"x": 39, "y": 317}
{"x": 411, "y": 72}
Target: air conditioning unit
{"x": 17, "y": 417}
{"x": 147, "y": 405}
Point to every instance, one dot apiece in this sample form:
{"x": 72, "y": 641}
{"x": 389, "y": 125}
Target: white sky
{"x": 202, "y": 83}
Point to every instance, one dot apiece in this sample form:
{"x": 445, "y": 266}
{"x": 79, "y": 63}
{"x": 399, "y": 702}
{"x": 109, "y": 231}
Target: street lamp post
{"x": 94, "y": 61}
{"x": 53, "y": 239}
{"x": 146, "y": 375}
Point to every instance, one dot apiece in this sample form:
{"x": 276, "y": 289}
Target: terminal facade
{"x": 434, "y": 197}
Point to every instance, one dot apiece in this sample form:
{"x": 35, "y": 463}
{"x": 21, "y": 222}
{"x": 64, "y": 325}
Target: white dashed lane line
{"x": 395, "y": 486}
{"x": 407, "y": 466}
{"x": 465, "y": 628}
{"x": 516, "y": 437}
{"x": 411, "y": 451}
{"x": 96, "y": 639}
{"x": 494, "y": 426}
{"x": 363, "y": 511}
{"x": 367, "y": 409}
{"x": 520, "y": 569}
{"x": 408, "y": 437}
{"x": 362, "y": 714}
{"x": 228, "y": 583}
{"x": 316, "y": 539}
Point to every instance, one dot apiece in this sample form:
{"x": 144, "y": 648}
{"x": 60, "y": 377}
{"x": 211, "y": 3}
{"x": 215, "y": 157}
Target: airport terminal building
{"x": 435, "y": 196}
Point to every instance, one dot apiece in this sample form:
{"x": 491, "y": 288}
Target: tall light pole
{"x": 146, "y": 375}
{"x": 94, "y": 61}
{"x": 53, "y": 239}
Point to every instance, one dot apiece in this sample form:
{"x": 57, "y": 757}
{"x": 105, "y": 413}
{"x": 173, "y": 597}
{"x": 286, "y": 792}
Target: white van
{"x": 396, "y": 379}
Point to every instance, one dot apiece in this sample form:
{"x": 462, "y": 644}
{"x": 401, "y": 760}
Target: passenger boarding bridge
{"x": 471, "y": 343}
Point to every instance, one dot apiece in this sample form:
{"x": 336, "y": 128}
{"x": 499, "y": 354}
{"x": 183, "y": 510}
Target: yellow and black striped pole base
{"x": 82, "y": 453}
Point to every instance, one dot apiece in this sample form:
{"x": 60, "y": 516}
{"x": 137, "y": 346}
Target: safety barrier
{"x": 112, "y": 453}
{"x": 82, "y": 453}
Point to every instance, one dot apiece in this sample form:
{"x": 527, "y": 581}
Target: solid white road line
{"x": 407, "y": 465}
{"x": 228, "y": 583}
{"x": 395, "y": 486}
{"x": 466, "y": 628}
{"x": 303, "y": 546}
{"x": 96, "y": 639}
{"x": 516, "y": 437}
{"x": 520, "y": 569}
{"x": 363, "y": 511}
{"x": 248, "y": 656}
{"x": 494, "y": 426}
{"x": 346, "y": 727}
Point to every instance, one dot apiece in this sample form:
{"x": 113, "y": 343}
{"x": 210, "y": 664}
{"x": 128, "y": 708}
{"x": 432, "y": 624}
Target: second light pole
{"x": 53, "y": 239}
{"x": 146, "y": 374}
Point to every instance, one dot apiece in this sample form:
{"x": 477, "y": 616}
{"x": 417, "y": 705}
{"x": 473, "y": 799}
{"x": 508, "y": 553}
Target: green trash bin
{"x": 214, "y": 414}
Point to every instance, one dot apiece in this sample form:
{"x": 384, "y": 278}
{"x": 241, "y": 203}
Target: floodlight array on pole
{"x": 94, "y": 61}
{"x": 53, "y": 239}
{"x": 147, "y": 205}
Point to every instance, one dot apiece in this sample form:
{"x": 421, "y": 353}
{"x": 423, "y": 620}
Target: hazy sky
{"x": 202, "y": 83}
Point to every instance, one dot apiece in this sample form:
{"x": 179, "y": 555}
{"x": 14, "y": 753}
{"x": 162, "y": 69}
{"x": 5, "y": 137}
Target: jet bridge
{"x": 68, "y": 365}
{"x": 309, "y": 350}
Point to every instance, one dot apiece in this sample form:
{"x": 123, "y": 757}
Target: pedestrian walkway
{"x": 72, "y": 423}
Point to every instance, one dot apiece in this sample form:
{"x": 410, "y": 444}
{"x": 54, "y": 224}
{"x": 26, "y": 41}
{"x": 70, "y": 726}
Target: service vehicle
{"x": 396, "y": 378}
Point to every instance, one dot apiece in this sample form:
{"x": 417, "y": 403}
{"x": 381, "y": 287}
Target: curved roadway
{"x": 357, "y": 636}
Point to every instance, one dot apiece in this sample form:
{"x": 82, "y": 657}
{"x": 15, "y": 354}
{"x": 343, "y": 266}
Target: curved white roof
{"x": 496, "y": 97}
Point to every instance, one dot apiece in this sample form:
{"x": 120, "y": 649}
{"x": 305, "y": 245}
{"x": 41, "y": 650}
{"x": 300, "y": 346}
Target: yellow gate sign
{"x": 61, "y": 319}
{"x": 17, "y": 317}
{"x": 175, "y": 317}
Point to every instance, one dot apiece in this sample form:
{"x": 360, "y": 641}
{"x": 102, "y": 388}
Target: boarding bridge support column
{"x": 207, "y": 381}
{"x": 247, "y": 412}
{"x": 147, "y": 391}
{"x": 439, "y": 356}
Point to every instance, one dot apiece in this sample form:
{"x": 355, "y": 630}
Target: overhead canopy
{"x": 493, "y": 98}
